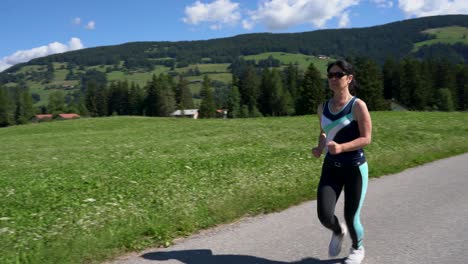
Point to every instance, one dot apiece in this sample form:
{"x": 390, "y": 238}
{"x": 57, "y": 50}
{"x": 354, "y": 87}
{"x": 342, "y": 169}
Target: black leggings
{"x": 354, "y": 180}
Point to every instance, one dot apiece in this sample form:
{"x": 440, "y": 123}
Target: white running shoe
{"x": 334, "y": 248}
{"x": 355, "y": 256}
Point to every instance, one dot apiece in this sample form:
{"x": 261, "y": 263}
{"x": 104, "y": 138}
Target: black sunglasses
{"x": 338, "y": 75}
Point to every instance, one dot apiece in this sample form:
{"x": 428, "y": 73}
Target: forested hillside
{"x": 418, "y": 63}
{"x": 394, "y": 40}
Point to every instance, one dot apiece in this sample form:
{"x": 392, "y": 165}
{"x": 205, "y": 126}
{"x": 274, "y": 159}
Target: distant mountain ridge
{"x": 394, "y": 40}
{"x": 423, "y": 66}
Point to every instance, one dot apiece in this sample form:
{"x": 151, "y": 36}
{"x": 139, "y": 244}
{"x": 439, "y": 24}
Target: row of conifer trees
{"x": 256, "y": 91}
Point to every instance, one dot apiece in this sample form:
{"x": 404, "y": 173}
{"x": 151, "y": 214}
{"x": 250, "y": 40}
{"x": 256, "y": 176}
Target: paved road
{"x": 417, "y": 216}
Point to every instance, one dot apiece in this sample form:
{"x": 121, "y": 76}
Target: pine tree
{"x": 234, "y": 102}
{"x": 151, "y": 100}
{"x": 96, "y": 99}
{"x": 427, "y": 93}
{"x": 124, "y": 94}
{"x": 28, "y": 105}
{"x": 265, "y": 100}
{"x": 113, "y": 99}
{"x": 184, "y": 98}
{"x": 292, "y": 80}
{"x": 221, "y": 95}
{"x": 56, "y": 102}
{"x": 391, "y": 79}
{"x": 462, "y": 86}
{"x": 49, "y": 74}
{"x": 282, "y": 103}
{"x": 207, "y": 105}
{"x": 20, "y": 113}
{"x": 118, "y": 98}
{"x": 102, "y": 101}
{"x": 6, "y": 115}
{"x": 165, "y": 95}
{"x": 444, "y": 100}
{"x": 420, "y": 92}
{"x": 135, "y": 100}
{"x": 445, "y": 78}
{"x": 410, "y": 78}
{"x": 81, "y": 105}
{"x": 254, "y": 112}
{"x": 369, "y": 78}
{"x": 98, "y": 78}
{"x": 91, "y": 99}
{"x": 249, "y": 89}
{"x": 244, "y": 111}
{"x": 311, "y": 93}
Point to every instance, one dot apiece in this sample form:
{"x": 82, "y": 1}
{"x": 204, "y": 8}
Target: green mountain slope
{"x": 446, "y": 35}
{"x": 194, "y": 73}
{"x": 137, "y": 61}
{"x": 379, "y": 42}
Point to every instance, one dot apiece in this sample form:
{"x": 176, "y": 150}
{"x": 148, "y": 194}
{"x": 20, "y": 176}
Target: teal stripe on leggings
{"x": 357, "y": 221}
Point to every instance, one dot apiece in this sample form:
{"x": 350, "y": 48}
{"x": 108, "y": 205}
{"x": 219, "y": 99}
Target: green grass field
{"x": 140, "y": 78}
{"x": 286, "y": 58}
{"x": 206, "y": 68}
{"x": 447, "y": 35}
{"x": 86, "y": 190}
{"x": 32, "y": 68}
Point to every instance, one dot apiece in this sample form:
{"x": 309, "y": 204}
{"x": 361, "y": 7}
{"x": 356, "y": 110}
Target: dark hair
{"x": 348, "y": 69}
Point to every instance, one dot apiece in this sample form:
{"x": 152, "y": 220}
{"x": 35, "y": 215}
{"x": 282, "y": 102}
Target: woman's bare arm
{"x": 317, "y": 151}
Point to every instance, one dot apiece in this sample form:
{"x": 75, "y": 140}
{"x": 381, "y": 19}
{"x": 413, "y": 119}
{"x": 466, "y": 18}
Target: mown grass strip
{"x": 85, "y": 190}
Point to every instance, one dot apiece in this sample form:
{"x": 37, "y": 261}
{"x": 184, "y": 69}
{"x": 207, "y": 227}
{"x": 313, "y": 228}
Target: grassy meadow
{"x": 302, "y": 60}
{"x": 83, "y": 191}
{"x": 446, "y": 35}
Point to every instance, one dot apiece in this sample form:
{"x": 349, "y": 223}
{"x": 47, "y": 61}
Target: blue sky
{"x": 36, "y": 28}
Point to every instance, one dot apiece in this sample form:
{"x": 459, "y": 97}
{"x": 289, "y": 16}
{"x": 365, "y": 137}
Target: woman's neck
{"x": 342, "y": 96}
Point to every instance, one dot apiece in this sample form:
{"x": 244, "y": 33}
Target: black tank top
{"x": 341, "y": 127}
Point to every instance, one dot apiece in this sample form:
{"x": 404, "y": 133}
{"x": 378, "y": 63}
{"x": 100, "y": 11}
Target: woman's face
{"x": 337, "y": 79}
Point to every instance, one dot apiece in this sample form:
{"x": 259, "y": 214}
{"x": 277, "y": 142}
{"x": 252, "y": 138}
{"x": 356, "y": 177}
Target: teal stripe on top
{"x": 333, "y": 124}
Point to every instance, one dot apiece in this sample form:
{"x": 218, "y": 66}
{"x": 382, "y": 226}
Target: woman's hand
{"x": 334, "y": 148}
{"x": 317, "y": 152}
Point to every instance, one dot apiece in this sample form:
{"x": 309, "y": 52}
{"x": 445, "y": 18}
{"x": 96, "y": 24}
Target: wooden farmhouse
{"x": 190, "y": 113}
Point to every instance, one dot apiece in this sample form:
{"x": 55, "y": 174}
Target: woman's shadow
{"x": 205, "y": 256}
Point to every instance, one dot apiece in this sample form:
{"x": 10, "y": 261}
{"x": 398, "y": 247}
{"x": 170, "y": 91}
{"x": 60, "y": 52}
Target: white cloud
{"x": 216, "y": 13}
{"x": 246, "y": 24}
{"x": 27, "y": 55}
{"x": 282, "y": 14}
{"x": 383, "y": 3}
{"x": 420, "y": 8}
{"x": 216, "y": 26}
{"x": 77, "y": 21}
{"x": 75, "y": 44}
{"x": 91, "y": 25}
{"x": 4, "y": 65}
{"x": 344, "y": 20}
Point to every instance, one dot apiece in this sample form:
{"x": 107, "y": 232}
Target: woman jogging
{"x": 345, "y": 128}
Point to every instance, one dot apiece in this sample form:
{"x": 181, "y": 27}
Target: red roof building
{"x": 43, "y": 117}
{"x": 68, "y": 116}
